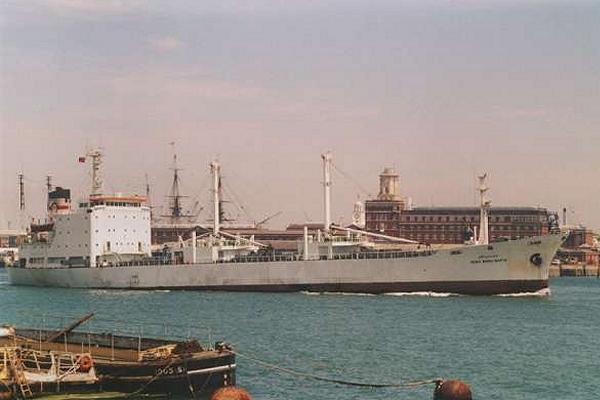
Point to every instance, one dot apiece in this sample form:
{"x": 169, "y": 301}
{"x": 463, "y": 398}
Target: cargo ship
{"x": 105, "y": 243}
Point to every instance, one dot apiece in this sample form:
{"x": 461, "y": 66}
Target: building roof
{"x": 11, "y": 232}
{"x": 441, "y": 210}
{"x": 300, "y": 227}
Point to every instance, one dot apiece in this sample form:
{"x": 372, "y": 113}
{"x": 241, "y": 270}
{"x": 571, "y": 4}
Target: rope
{"x": 143, "y": 387}
{"x": 351, "y": 179}
{"x": 305, "y": 375}
{"x": 236, "y": 201}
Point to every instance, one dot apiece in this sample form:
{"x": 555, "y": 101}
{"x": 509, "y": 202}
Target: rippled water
{"x": 545, "y": 347}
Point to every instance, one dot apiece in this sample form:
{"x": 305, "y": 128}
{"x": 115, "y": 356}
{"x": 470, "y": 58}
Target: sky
{"x": 439, "y": 90}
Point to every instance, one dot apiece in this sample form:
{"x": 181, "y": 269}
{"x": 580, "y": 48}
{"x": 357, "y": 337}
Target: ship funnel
{"x": 59, "y": 202}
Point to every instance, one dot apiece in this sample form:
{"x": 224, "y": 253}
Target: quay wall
{"x": 574, "y": 270}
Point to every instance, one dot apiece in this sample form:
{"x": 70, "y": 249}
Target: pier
{"x": 583, "y": 270}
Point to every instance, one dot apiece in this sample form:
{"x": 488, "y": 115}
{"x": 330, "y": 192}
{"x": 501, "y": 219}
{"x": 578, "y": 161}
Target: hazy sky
{"x": 441, "y": 90}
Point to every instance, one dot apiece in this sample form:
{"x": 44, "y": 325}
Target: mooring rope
{"x": 306, "y": 375}
{"x": 144, "y": 386}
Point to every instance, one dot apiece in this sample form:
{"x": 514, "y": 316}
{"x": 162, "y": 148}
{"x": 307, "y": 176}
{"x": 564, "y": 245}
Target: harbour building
{"x": 389, "y": 214}
{"x": 382, "y": 214}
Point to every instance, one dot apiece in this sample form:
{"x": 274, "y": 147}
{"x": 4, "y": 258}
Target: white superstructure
{"x": 102, "y": 230}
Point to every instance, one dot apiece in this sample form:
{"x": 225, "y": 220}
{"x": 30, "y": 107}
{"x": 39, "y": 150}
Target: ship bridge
{"x": 114, "y": 200}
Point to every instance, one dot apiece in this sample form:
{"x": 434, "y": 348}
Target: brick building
{"x": 383, "y": 214}
{"x": 579, "y": 236}
{"x": 388, "y": 215}
{"x": 457, "y": 224}
{"x": 581, "y": 246}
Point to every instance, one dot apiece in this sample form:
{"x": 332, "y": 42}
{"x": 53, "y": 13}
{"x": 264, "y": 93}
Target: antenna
{"x": 148, "y": 201}
{"x": 147, "y": 188}
{"x": 49, "y": 183}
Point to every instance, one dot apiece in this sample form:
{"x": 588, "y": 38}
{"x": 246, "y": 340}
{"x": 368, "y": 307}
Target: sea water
{"x": 543, "y": 346}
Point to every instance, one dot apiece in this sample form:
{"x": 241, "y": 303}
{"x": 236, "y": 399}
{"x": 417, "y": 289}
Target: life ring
{"x": 85, "y": 363}
{"x": 536, "y": 259}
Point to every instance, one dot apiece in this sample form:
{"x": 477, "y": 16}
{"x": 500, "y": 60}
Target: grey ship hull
{"x": 504, "y": 267}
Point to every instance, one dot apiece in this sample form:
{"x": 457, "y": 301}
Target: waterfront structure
{"x": 580, "y": 247}
{"x": 454, "y": 225}
{"x": 383, "y": 213}
{"x": 580, "y": 236}
{"x": 324, "y": 261}
{"x": 10, "y": 240}
{"x": 389, "y": 215}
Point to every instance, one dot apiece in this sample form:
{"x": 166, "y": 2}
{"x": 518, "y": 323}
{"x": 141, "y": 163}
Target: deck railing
{"x": 113, "y": 330}
{"x": 363, "y": 255}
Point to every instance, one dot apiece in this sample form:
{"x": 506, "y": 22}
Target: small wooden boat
{"x": 128, "y": 364}
{"x": 24, "y": 371}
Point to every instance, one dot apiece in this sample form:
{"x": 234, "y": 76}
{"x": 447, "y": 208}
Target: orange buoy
{"x": 231, "y": 393}
{"x": 452, "y": 390}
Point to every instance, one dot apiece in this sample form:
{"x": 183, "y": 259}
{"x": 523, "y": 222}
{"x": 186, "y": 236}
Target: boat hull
{"x": 117, "y": 367}
{"x": 503, "y": 267}
{"x": 186, "y": 376}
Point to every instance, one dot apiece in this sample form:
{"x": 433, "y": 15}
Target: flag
{"x": 81, "y": 159}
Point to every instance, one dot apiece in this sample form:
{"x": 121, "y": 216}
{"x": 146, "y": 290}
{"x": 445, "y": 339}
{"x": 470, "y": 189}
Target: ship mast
{"x": 96, "y": 156}
{"x": 21, "y": 192}
{"x": 327, "y": 158}
{"x": 22, "y": 219}
{"x": 215, "y": 169}
{"x": 48, "y": 183}
{"x": 484, "y": 211}
{"x": 148, "y": 199}
{"x": 175, "y": 196}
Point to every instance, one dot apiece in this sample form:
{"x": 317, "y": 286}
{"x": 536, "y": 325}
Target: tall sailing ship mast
{"x": 176, "y": 214}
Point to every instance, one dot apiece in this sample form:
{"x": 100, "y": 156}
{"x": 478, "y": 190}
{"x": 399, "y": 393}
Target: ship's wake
{"x": 400, "y": 294}
{"x": 309, "y": 293}
{"x": 540, "y": 293}
{"x": 127, "y": 292}
{"x": 423, "y": 294}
